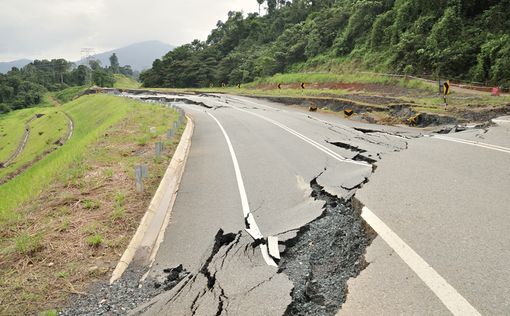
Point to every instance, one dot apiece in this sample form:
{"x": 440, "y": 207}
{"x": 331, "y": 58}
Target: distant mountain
{"x": 6, "y": 66}
{"x": 139, "y": 55}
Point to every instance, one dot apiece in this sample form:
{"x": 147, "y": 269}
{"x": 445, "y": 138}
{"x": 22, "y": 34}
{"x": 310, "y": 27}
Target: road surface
{"x": 439, "y": 206}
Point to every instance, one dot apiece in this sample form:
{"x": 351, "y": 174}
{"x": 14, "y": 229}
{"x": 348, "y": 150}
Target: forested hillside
{"x": 465, "y": 40}
{"x": 25, "y": 87}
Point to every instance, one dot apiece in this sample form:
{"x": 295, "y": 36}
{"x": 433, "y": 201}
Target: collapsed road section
{"x": 317, "y": 260}
{"x": 317, "y": 257}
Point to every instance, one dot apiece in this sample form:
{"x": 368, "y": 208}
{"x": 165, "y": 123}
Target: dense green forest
{"x": 25, "y": 87}
{"x": 457, "y": 39}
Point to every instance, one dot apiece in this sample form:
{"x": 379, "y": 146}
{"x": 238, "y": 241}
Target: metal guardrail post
{"x": 139, "y": 178}
{"x": 159, "y": 149}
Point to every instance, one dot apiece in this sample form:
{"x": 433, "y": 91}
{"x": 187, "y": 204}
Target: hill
{"x": 139, "y": 55}
{"x": 463, "y": 40}
{"x": 7, "y": 65}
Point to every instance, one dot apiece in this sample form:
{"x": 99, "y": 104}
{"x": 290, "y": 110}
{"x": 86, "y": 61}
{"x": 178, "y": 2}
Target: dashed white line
{"x": 473, "y": 143}
{"x": 452, "y": 299}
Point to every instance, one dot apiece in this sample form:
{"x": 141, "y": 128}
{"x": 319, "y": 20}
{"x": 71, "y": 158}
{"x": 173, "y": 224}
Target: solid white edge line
{"x": 237, "y": 170}
{"x": 472, "y": 143}
{"x": 254, "y": 230}
{"x": 452, "y": 299}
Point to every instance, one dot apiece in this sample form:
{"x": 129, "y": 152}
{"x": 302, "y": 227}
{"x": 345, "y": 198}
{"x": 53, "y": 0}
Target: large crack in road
{"x": 324, "y": 255}
{"x": 317, "y": 258}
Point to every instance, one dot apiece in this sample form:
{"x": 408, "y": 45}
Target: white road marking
{"x": 262, "y": 105}
{"x": 321, "y": 147}
{"x": 320, "y": 120}
{"x": 254, "y": 229}
{"x": 473, "y": 143}
{"x": 452, "y": 299}
{"x": 500, "y": 121}
{"x": 272, "y": 243}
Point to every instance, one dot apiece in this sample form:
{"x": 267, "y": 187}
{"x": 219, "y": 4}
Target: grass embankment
{"x": 12, "y": 128}
{"x": 351, "y": 77}
{"x": 44, "y": 133}
{"x": 69, "y": 94}
{"x": 367, "y": 89}
{"x": 125, "y": 82}
{"x": 65, "y": 221}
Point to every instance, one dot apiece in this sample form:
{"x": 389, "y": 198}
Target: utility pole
{"x": 86, "y": 53}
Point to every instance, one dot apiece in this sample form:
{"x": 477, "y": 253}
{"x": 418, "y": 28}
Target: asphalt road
{"x": 440, "y": 206}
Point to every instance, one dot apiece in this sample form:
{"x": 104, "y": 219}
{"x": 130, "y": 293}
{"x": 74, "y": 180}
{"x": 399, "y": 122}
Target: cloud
{"x": 60, "y": 28}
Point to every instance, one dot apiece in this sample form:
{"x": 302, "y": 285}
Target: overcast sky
{"x": 61, "y": 28}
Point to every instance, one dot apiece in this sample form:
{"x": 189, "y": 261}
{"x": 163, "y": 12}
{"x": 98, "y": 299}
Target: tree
{"x": 454, "y": 38}
{"x": 114, "y": 64}
{"x": 260, "y": 2}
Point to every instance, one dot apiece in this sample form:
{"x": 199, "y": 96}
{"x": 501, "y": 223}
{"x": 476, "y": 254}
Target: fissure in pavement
{"x": 324, "y": 255}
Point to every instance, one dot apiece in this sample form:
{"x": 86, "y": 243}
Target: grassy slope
{"x": 44, "y": 132}
{"x": 69, "y": 94}
{"x": 125, "y": 82}
{"x": 92, "y": 115}
{"x": 90, "y": 199}
{"x": 350, "y": 77}
{"x": 421, "y": 94}
{"x": 12, "y": 128}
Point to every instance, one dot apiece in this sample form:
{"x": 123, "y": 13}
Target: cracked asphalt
{"x": 445, "y": 199}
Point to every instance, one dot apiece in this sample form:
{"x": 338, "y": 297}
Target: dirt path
{"x": 61, "y": 142}
{"x": 21, "y": 145}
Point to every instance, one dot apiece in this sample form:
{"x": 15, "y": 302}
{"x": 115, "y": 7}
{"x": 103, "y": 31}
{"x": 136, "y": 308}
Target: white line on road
{"x": 473, "y": 143}
{"x": 308, "y": 140}
{"x": 452, "y": 299}
{"x": 253, "y": 230}
{"x": 320, "y": 120}
{"x": 500, "y": 121}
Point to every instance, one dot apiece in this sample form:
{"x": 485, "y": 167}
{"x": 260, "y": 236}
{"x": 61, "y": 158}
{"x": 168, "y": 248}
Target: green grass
{"x": 92, "y": 115}
{"x": 125, "y": 82}
{"x": 95, "y": 240}
{"x": 12, "y": 128}
{"x": 350, "y": 77}
{"x": 44, "y": 132}
{"x": 26, "y": 244}
{"x": 69, "y": 94}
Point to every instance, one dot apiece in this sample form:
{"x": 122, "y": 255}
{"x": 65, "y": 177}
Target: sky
{"x": 37, "y": 29}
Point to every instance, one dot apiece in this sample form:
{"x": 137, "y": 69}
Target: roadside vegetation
{"x": 12, "y": 128}
{"x": 46, "y": 82}
{"x": 462, "y": 40}
{"x": 47, "y": 129}
{"x": 125, "y": 82}
{"x": 65, "y": 220}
